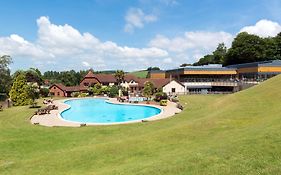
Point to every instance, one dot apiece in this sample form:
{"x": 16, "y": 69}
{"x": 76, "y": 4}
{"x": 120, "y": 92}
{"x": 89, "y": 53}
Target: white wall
{"x": 179, "y": 89}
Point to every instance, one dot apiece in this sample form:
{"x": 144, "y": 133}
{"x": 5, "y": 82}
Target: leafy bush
{"x": 160, "y": 96}
{"x": 105, "y": 90}
{"x": 113, "y": 92}
{"x": 44, "y": 92}
{"x": 83, "y": 95}
{"x": 75, "y": 94}
{"x": 163, "y": 102}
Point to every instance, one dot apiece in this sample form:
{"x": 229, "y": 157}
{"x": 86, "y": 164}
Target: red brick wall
{"x": 57, "y": 91}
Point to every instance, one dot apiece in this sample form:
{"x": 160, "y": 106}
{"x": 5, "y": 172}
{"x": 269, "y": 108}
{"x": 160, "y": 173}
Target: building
{"x": 218, "y": 79}
{"x": 257, "y": 71}
{"x": 133, "y": 84}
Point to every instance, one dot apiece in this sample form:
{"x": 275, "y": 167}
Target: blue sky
{"x": 126, "y": 34}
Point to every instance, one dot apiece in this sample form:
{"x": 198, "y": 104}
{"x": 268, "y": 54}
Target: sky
{"x": 126, "y": 34}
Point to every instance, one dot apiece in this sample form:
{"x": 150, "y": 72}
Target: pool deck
{"x": 55, "y": 119}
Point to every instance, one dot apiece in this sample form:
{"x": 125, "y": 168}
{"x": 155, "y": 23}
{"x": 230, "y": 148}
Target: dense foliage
{"x": 119, "y": 75}
{"x": 245, "y": 48}
{"x": 153, "y": 68}
{"x": 33, "y": 93}
{"x": 113, "y": 92}
{"x": 148, "y": 89}
{"x": 160, "y": 96}
{"x": 69, "y": 78}
{"x": 5, "y": 80}
{"x": 19, "y": 93}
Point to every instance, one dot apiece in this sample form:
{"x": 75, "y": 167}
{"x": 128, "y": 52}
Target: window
{"x": 55, "y": 87}
{"x": 173, "y": 90}
{"x": 58, "y": 93}
{"x": 86, "y": 84}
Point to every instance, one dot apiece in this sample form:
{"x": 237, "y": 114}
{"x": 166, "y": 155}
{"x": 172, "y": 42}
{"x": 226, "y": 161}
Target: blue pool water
{"x": 100, "y": 111}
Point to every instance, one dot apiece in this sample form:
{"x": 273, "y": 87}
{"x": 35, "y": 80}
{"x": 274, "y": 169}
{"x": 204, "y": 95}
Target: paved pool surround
{"x": 55, "y": 118}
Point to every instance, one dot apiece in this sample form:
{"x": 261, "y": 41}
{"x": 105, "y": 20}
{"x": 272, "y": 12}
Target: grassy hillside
{"x": 140, "y": 74}
{"x": 232, "y": 134}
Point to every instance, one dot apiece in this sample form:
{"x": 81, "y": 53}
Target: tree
{"x": 5, "y": 80}
{"x": 19, "y": 93}
{"x": 148, "y": 90}
{"x": 119, "y": 75}
{"x": 277, "y": 42}
{"x": 219, "y": 54}
{"x": 185, "y": 64}
{"x": 246, "y": 48}
{"x": 217, "y": 57}
{"x": 34, "y": 75}
{"x": 153, "y": 68}
{"x": 33, "y": 93}
{"x": 113, "y": 92}
{"x": 207, "y": 59}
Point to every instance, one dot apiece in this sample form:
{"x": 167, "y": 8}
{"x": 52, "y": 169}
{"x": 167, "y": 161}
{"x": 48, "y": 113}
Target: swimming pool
{"x": 96, "y": 110}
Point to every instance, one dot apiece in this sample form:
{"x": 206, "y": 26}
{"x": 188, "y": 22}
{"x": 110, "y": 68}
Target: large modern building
{"x": 218, "y": 79}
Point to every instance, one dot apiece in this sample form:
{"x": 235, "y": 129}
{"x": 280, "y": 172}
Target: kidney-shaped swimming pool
{"x": 96, "y": 110}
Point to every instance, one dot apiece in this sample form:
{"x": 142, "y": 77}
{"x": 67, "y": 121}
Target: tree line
{"x": 245, "y": 48}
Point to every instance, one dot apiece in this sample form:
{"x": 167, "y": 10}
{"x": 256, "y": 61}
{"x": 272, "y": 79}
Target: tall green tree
{"x": 5, "y": 77}
{"x": 33, "y": 93}
{"x": 246, "y": 48}
{"x": 207, "y": 59}
{"x": 277, "y": 41}
{"x": 119, "y": 75}
{"x": 219, "y": 54}
{"x": 19, "y": 93}
{"x": 148, "y": 90}
{"x": 217, "y": 57}
{"x": 34, "y": 75}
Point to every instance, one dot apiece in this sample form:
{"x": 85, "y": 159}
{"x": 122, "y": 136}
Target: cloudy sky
{"x": 126, "y": 34}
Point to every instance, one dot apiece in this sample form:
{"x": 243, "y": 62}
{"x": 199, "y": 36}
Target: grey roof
{"x": 210, "y": 67}
{"x": 270, "y": 63}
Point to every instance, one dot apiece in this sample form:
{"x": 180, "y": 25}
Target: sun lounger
{"x": 42, "y": 111}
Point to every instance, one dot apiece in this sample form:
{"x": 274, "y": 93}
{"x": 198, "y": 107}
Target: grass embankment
{"x": 140, "y": 74}
{"x": 232, "y": 134}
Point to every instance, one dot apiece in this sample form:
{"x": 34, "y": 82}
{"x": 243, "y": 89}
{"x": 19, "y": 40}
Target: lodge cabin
{"x": 133, "y": 84}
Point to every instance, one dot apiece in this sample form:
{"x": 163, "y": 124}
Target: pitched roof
{"x": 70, "y": 88}
{"x": 105, "y": 78}
{"x": 158, "y": 83}
{"x": 90, "y": 74}
{"x": 129, "y": 77}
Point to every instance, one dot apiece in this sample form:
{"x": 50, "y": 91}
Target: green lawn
{"x": 231, "y": 134}
{"x": 140, "y": 74}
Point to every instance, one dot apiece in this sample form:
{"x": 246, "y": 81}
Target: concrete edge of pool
{"x": 55, "y": 118}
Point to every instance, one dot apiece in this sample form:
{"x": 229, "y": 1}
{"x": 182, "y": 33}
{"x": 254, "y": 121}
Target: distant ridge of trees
{"x": 245, "y": 48}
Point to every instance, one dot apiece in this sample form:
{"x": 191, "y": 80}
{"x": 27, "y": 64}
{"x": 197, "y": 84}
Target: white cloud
{"x": 86, "y": 64}
{"x": 190, "y": 46}
{"x": 65, "y": 45}
{"x": 263, "y": 28}
{"x": 168, "y": 60}
{"x": 136, "y": 18}
{"x": 192, "y": 40}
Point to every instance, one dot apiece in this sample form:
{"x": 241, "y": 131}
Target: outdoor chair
{"x": 1, "y": 108}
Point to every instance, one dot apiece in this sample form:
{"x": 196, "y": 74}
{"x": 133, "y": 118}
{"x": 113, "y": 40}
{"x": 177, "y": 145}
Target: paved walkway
{"x": 55, "y": 119}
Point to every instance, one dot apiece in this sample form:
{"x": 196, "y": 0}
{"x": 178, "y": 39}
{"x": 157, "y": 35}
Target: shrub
{"x": 105, "y": 90}
{"x": 113, "y": 92}
{"x": 75, "y": 94}
{"x": 163, "y": 102}
{"x": 44, "y": 92}
{"x": 83, "y": 95}
{"x": 160, "y": 96}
